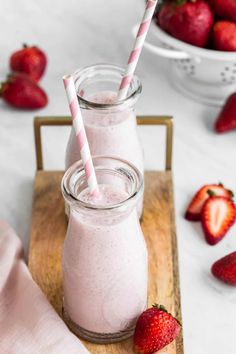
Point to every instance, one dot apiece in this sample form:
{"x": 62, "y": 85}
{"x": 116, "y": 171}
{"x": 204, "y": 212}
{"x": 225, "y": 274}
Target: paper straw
{"x": 80, "y": 133}
{"x": 138, "y": 46}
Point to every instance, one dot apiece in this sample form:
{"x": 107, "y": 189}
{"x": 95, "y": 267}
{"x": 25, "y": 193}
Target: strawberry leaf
{"x": 180, "y": 2}
{"x": 160, "y": 307}
{"x": 211, "y": 193}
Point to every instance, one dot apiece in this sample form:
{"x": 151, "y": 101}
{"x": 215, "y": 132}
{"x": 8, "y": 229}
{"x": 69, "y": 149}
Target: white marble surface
{"x": 77, "y": 33}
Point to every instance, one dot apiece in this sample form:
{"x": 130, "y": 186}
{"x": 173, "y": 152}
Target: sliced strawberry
{"x": 218, "y": 215}
{"x": 225, "y": 269}
{"x": 193, "y": 212}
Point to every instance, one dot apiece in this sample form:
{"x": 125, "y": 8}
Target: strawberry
{"x": 188, "y": 20}
{"x": 224, "y": 36}
{"x": 218, "y": 215}
{"x": 225, "y": 269}
{"x": 30, "y": 60}
{"x": 225, "y": 9}
{"x": 194, "y": 209}
{"x": 226, "y": 120}
{"x": 155, "y": 329}
{"x": 22, "y": 92}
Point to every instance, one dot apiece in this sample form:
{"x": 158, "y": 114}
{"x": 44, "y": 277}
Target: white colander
{"x": 207, "y": 76}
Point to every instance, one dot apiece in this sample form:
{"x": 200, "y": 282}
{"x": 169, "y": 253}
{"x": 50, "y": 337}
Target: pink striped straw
{"x": 138, "y": 46}
{"x": 80, "y": 133}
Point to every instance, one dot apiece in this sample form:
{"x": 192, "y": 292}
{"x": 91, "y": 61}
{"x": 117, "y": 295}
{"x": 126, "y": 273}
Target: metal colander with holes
{"x": 205, "y": 75}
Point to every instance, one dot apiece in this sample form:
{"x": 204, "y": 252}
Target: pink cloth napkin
{"x": 28, "y": 323}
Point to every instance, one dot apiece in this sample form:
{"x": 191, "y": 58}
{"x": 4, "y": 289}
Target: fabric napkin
{"x": 28, "y": 323}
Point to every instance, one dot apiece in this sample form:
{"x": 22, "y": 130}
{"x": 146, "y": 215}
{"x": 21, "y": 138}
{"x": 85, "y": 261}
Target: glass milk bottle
{"x": 110, "y": 126}
{"x": 104, "y": 254}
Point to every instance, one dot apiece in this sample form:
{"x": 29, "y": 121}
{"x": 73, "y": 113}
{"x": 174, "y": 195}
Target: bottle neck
{"x": 119, "y": 181}
{"x": 97, "y": 88}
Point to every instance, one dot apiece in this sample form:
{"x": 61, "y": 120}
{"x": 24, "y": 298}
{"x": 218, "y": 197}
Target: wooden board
{"x": 49, "y": 228}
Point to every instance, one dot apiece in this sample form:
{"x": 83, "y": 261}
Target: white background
{"x": 75, "y": 33}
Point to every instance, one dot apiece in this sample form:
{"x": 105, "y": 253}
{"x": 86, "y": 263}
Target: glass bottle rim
{"x": 78, "y": 169}
{"x": 77, "y": 77}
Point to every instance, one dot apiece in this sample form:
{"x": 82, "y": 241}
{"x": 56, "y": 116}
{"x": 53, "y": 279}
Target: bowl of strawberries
{"x": 199, "y": 38}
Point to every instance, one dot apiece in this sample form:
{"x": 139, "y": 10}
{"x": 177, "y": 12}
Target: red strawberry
{"x": 22, "y": 92}
{"x": 155, "y": 329}
{"x": 225, "y": 269}
{"x": 224, "y": 36}
{"x": 218, "y": 215}
{"x": 225, "y": 9}
{"x": 194, "y": 209}
{"x": 188, "y": 20}
{"x": 30, "y": 60}
{"x": 226, "y": 120}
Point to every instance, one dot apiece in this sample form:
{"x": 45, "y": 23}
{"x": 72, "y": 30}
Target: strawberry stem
{"x": 1, "y": 88}
{"x": 231, "y": 193}
{"x": 211, "y": 193}
{"x": 180, "y": 2}
{"x": 229, "y": 190}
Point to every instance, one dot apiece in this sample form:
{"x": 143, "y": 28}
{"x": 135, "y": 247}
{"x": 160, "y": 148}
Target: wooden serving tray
{"x": 49, "y": 227}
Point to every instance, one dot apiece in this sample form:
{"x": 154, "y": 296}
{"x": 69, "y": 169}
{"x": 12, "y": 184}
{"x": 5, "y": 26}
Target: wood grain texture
{"x": 49, "y": 228}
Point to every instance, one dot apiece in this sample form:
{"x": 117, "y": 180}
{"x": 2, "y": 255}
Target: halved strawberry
{"x": 218, "y": 215}
{"x": 193, "y": 212}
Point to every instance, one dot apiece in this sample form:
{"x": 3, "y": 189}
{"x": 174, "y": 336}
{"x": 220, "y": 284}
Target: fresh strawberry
{"x": 225, "y": 269}
{"x": 225, "y": 9}
{"x": 22, "y": 92}
{"x": 30, "y": 60}
{"x": 194, "y": 209}
{"x": 218, "y": 215}
{"x": 155, "y": 329}
{"x": 188, "y": 20}
{"x": 226, "y": 120}
{"x": 224, "y": 36}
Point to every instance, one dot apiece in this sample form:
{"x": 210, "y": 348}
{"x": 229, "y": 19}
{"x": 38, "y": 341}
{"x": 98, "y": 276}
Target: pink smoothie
{"x": 104, "y": 265}
{"x": 110, "y": 132}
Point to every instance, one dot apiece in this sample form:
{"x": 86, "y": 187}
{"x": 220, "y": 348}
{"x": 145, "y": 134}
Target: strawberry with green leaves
{"x": 29, "y": 60}
{"x": 155, "y": 329}
{"x": 194, "y": 209}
